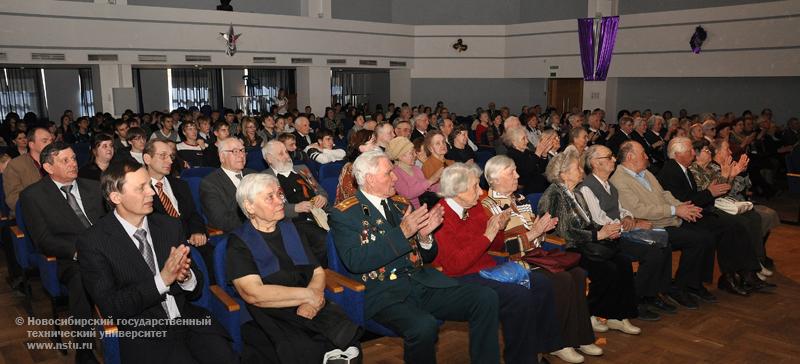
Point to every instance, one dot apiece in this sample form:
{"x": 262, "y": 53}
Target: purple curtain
{"x": 608, "y": 35}
{"x": 586, "y": 39}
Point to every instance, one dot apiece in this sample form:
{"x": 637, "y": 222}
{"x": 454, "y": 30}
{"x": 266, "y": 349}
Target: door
{"x": 565, "y": 94}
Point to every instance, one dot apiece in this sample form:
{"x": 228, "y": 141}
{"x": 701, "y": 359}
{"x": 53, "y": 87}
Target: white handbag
{"x": 732, "y": 206}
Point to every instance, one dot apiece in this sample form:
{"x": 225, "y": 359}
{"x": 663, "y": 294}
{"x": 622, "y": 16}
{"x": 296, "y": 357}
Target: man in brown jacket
{"x": 641, "y": 194}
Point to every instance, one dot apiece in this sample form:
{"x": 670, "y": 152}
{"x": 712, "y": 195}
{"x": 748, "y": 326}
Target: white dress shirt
{"x": 167, "y": 188}
{"x": 598, "y": 215}
{"x": 75, "y": 192}
{"x": 458, "y": 209}
{"x": 232, "y": 176}
{"x": 189, "y": 285}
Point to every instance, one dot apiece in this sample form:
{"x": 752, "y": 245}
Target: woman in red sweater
{"x": 528, "y": 316}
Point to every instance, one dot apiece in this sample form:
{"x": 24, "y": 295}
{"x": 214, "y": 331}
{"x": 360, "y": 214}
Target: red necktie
{"x": 165, "y": 200}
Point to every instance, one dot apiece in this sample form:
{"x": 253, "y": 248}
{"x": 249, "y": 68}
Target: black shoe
{"x": 703, "y": 294}
{"x": 85, "y": 356}
{"x": 646, "y": 315}
{"x": 656, "y": 303}
{"x": 728, "y": 284}
{"x": 684, "y": 300}
{"x": 768, "y": 263}
{"x": 754, "y": 284}
{"x": 17, "y": 285}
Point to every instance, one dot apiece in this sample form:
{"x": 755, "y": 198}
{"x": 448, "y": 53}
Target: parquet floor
{"x": 763, "y": 328}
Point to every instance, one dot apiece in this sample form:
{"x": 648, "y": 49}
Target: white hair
{"x": 225, "y": 143}
{"x": 495, "y": 165}
{"x": 512, "y": 135}
{"x": 367, "y": 163}
{"x": 678, "y": 145}
{"x": 268, "y": 147}
{"x": 251, "y": 185}
{"x": 651, "y": 122}
{"x": 637, "y": 121}
{"x": 559, "y": 164}
{"x": 455, "y": 179}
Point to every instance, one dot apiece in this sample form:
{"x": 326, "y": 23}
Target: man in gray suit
{"x": 302, "y": 192}
{"x": 218, "y": 189}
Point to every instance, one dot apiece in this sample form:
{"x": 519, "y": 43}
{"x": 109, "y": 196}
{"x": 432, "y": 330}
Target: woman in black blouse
{"x": 276, "y": 274}
{"x": 460, "y": 150}
{"x": 102, "y": 153}
{"x": 530, "y": 164}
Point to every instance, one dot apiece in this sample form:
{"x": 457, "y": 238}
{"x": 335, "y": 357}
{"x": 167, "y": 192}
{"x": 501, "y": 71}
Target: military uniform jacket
{"x": 379, "y": 255}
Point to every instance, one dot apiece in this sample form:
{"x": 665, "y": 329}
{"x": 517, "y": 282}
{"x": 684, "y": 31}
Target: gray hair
{"x": 559, "y": 165}
{"x": 223, "y": 144}
{"x": 590, "y": 154}
{"x": 455, "y": 179}
{"x": 512, "y": 135}
{"x": 419, "y": 117}
{"x": 637, "y": 121}
{"x": 572, "y": 118}
{"x": 678, "y": 145}
{"x": 251, "y": 185}
{"x": 367, "y": 163}
{"x": 495, "y": 165}
{"x": 268, "y": 147}
{"x": 652, "y": 121}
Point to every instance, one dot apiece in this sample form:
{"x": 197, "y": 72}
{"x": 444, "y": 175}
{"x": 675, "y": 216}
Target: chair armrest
{"x": 332, "y": 283}
{"x": 230, "y": 304}
{"x": 213, "y": 232}
{"x": 792, "y": 174}
{"x": 108, "y": 329}
{"x": 17, "y": 232}
{"x": 50, "y": 258}
{"x": 344, "y": 281}
{"x": 498, "y": 254}
{"x": 557, "y": 240}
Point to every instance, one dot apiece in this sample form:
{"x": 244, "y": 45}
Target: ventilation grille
{"x": 47, "y": 56}
{"x": 368, "y": 62}
{"x": 337, "y": 61}
{"x": 263, "y": 59}
{"x": 396, "y": 64}
{"x": 302, "y": 60}
{"x": 198, "y": 58}
{"x": 103, "y": 57}
{"x": 152, "y": 58}
{"x": 3, "y": 56}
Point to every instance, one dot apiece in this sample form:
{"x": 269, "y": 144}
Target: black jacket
{"x": 191, "y": 220}
{"x": 218, "y": 196}
{"x": 672, "y": 178}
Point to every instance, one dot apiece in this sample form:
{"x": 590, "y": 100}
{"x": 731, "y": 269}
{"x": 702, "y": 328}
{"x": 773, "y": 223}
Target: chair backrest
{"x": 197, "y": 258}
{"x": 533, "y": 199}
{"x": 483, "y": 156}
{"x": 255, "y": 160}
{"x": 332, "y": 169}
{"x": 24, "y": 249}
{"x": 193, "y": 177}
{"x": 313, "y": 166}
{"x": 334, "y": 263}
{"x": 329, "y": 185}
{"x": 220, "y": 252}
{"x": 793, "y": 161}
{"x": 83, "y": 152}
{"x": 4, "y": 210}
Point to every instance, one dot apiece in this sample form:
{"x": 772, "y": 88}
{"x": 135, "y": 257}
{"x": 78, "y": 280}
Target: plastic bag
{"x": 508, "y": 272}
{"x": 655, "y": 237}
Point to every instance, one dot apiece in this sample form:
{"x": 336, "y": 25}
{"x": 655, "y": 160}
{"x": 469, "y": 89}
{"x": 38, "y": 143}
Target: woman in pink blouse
{"x": 411, "y": 183}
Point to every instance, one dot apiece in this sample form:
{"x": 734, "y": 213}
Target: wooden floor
{"x": 763, "y": 328}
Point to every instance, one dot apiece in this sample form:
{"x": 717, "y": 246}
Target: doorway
{"x": 565, "y": 93}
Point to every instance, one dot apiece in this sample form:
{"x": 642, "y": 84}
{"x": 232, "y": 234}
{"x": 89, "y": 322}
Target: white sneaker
{"x": 765, "y": 272}
{"x": 337, "y": 356}
{"x": 624, "y": 326}
{"x": 598, "y": 326}
{"x": 569, "y": 355}
{"x": 591, "y": 349}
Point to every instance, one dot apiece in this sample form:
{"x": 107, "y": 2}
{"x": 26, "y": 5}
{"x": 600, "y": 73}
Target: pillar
{"x": 601, "y": 94}
{"x": 111, "y": 76}
{"x": 400, "y": 86}
{"x": 313, "y": 88}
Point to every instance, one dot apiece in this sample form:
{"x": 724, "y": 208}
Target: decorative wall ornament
{"x": 459, "y": 46}
{"x": 698, "y": 38}
{"x": 230, "y": 40}
{"x": 597, "y": 37}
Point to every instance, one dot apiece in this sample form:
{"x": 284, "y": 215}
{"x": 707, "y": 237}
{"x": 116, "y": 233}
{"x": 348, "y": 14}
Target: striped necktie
{"x": 165, "y": 201}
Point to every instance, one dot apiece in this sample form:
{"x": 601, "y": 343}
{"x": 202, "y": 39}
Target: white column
{"x": 400, "y": 86}
{"x": 601, "y": 94}
{"x": 112, "y": 2}
{"x": 315, "y": 8}
{"x": 313, "y": 88}
{"x": 112, "y": 76}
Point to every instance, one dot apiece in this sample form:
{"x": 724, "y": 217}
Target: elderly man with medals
{"x": 386, "y": 245}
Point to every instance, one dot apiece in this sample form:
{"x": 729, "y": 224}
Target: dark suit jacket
{"x": 674, "y": 180}
{"x": 51, "y": 223}
{"x": 305, "y": 173}
{"x": 191, "y": 220}
{"x": 218, "y": 196}
{"x": 617, "y": 140}
{"x": 364, "y": 256}
{"x": 211, "y": 156}
{"x": 301, "y": 141}
{"x": 121, "y": 284}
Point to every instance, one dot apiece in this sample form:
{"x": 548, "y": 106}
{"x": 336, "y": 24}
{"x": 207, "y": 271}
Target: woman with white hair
{"x": 611, "y": 292}
{"x": 569, "y": 285}
{"x": 530, "y": 164}
{"x": 528, "y": 316}
{"x": 274, "y": 271}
